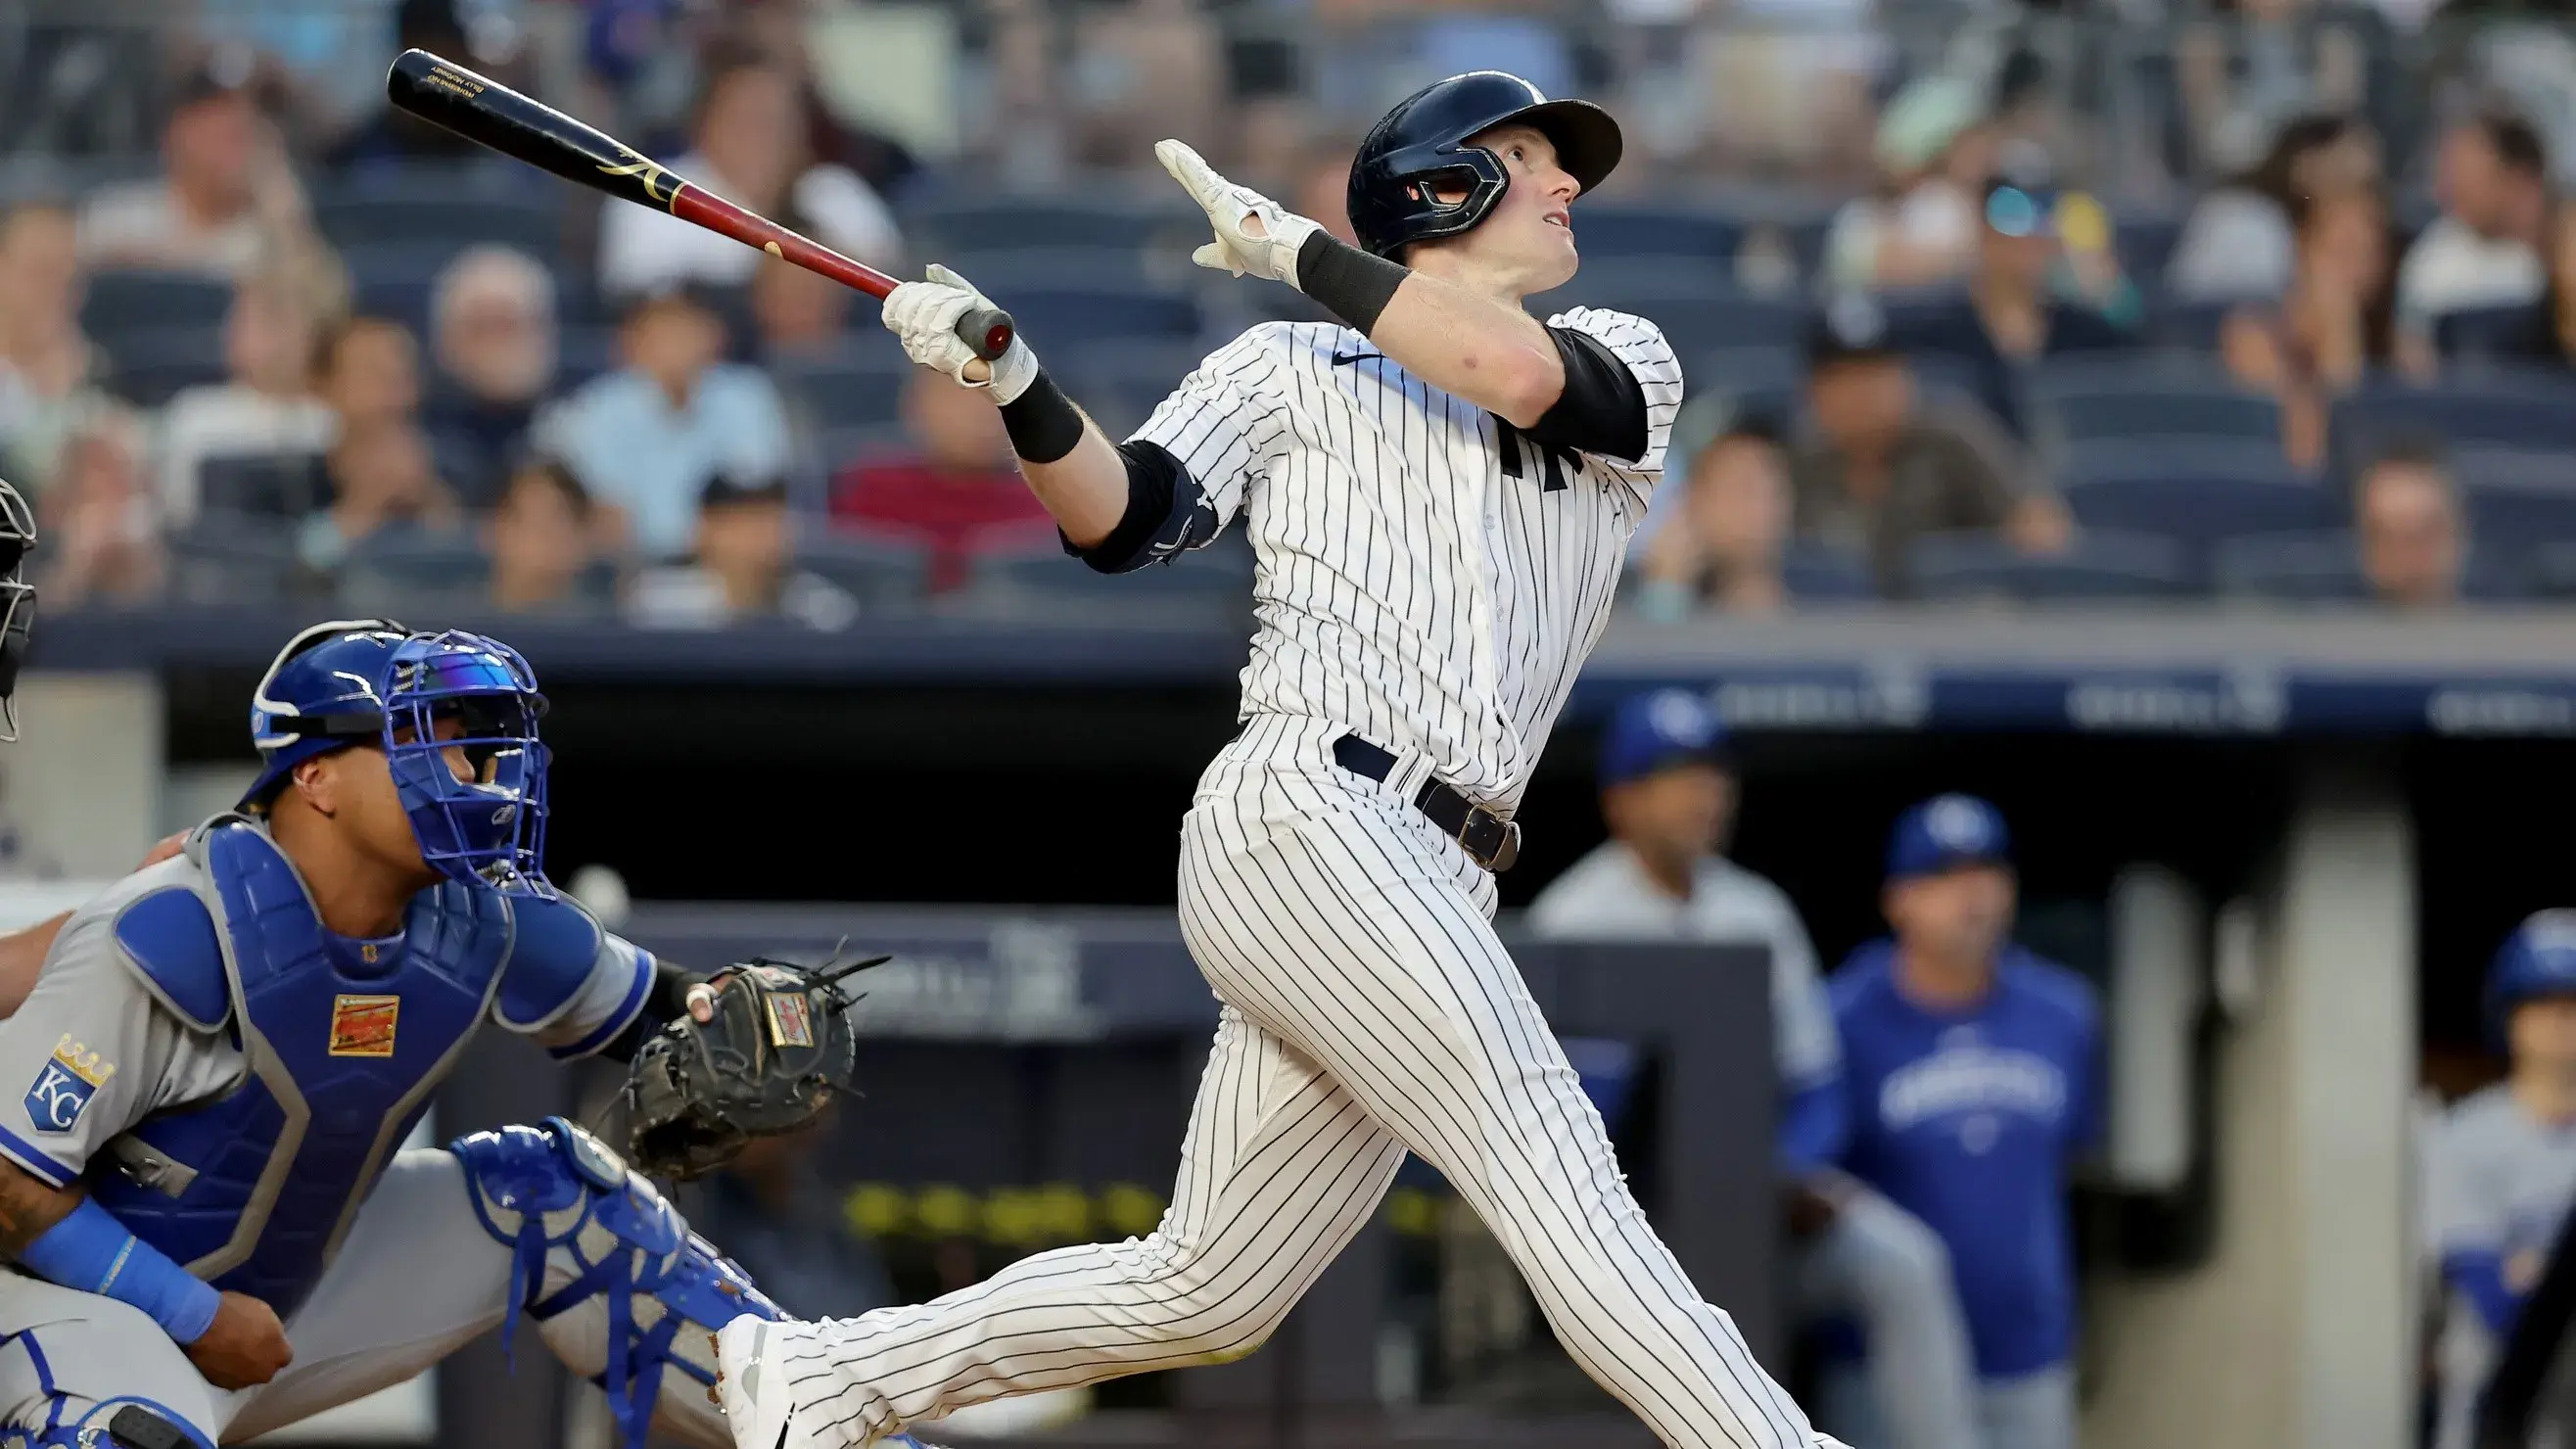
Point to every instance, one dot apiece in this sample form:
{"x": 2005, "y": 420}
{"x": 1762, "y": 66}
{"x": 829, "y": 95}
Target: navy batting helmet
{"x": 2538, "y": 959}
{"x": 1421, "y": 145}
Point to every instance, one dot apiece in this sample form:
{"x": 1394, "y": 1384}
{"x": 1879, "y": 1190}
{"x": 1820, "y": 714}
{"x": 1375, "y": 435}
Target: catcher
{"x": 211, "y": 1229}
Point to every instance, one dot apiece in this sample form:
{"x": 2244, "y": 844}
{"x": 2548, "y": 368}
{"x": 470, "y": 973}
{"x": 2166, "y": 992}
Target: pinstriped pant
{"x": 1369, "y": 1010}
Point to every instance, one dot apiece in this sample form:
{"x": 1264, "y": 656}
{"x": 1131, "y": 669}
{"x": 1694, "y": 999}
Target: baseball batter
{"x": 210, "y": 1230}
{"x": 2502, "y": 1166}
{"x": 1440, "y": 493}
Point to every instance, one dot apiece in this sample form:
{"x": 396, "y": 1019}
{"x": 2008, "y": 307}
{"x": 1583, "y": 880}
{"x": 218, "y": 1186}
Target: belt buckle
{"x": 1504, "y": 854}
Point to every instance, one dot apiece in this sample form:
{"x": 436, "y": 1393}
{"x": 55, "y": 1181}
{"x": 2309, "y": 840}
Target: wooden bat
{"x": 482, "y": 110}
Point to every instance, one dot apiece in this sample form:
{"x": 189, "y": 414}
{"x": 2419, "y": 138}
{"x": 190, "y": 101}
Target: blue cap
{"x": 1655, "y": 731}
{"x": 1947, "y": 831}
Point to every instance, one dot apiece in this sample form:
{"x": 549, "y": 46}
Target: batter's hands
{"x": 923, "y": 315}
{"x": 1255, "y": 236}
{"x": 244, "y": 1346}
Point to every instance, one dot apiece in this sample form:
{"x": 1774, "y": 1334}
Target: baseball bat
{"x": 489, "y": 113}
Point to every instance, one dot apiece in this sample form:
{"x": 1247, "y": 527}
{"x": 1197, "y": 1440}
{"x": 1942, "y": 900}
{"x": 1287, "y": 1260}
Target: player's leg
{"x": 416, "y": 1279}
{"x": 71, "y": 1361}
{"x": 1350, "y": 934}
{"x": 1279, "y": 1168}
{"x": 2032, "y": 1411}
{"x": 1878, "y": 1263}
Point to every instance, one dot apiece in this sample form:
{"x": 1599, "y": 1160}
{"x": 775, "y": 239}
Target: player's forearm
{"x": 28, "y": 1209}
{"x": 1473, "y": 347}
{"x": 1492, "y": 354}
{"x": 1070, "y": 465}
{"x": 22, "y": 956}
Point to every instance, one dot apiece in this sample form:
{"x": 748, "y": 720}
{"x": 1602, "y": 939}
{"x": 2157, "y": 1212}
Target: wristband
{"x": 91, "y": 1251}
{"x": 1043, "y": 423}
{"x": 1351, "y": 284}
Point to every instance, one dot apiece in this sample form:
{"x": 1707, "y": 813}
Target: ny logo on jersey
{"x": 65, "y": 1085}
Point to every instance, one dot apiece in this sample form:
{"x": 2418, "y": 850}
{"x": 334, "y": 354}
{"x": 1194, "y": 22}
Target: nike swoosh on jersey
{"x": 1344, "y": 358}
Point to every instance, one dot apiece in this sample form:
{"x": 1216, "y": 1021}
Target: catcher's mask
{"x": 428, "y": 700}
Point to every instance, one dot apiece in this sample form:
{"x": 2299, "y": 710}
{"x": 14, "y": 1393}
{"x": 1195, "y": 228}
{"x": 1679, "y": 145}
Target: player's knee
{"x": 132, "y": 1423}
{"x": 602, "y": 1262}
{"x": 1215, "y": 1307}
{"x": 1895, "y": 1254}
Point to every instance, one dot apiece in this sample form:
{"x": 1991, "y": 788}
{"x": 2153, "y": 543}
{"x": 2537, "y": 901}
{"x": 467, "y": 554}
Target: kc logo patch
{"x": 363, "y": 1026}
{"x": 64, "y": 1087}
{"x": 791, "y": 1019}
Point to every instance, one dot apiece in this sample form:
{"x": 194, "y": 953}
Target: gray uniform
{"x": 2498, "y": 1184}
{"x": 1877, "y": 1262}
{"x": 417, "y": 1275}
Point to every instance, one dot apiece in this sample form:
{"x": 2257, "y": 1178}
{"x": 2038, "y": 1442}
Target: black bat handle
{"x": 988, "y": 331}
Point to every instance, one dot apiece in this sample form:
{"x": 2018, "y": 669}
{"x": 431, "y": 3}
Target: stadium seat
{"x": 864, "y": 387}
{"x": 2551, "y": 570}
{"x": 1074, "y": 309}
{"x": 876, "y": 571}
{"x": 1004, "y": 273}
{"x": 121, "y": 302}
{"x": 2102, "y": 564}
{"x": 2097, "y": 404}
{"x": 1763, "y": 379}
{"x": 985, "y": 222}
{"x": 148, "y": 366}
{"x": 1696, "y": 319}
{"x": 534, "y": 224}
{"x": 226, "y": 560}
{"x": 404, "y": 568}
{"x": 2521, "y": 516}
{"x": 1816, "y": 574}
{"x": 2193, "y": 325}
{"x": 2144, "y": 242}
{"x": 2194, "y": 495}
{"x": 1223, "y": 570}
{"x": 1612, "y": 230}
{"x": 2529, "y": 414}
{"x": 838, "y": 448}
{"x": 2497, "y": 332}
{"x": 582, "y": 353}
{"x": 265, "y": 485}
{"x": 2290, "y": 566}
{"x": 1120, "y": 382}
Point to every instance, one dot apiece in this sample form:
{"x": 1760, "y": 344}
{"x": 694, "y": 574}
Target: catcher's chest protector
{"x": 342, "y": 1043}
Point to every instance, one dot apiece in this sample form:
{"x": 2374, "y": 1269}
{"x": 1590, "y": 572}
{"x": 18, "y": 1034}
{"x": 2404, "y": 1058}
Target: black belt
{"x": 1492, "y": 841}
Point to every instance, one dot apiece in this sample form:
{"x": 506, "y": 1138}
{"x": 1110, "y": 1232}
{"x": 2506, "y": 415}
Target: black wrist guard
{"x": 1352, "y": 284}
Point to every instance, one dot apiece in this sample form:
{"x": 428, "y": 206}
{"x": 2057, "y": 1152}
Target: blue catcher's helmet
{"x": 2538, "y": 959}
{"x": 426, "y": 700}
{"x": 1421, "y": 145}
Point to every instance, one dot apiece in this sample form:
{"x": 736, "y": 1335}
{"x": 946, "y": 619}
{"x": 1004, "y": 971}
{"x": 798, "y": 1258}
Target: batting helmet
{"x": 424, "y": 699}
{"x": 1421, "y": 145}
{"x": 2538, "y": 959}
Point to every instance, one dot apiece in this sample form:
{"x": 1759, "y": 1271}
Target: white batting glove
{"x": 923, "y": 315}
{"x": 1269, "y": 252}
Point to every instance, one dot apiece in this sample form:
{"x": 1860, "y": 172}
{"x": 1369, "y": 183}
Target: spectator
{"x": 542, "y": 539}
{"x": 2011, "y": 315}
{"x": 2545, "y": 333}
{"x": 1877, "y": 470}
{"x": 492, "y": 332}
{"x": 2408, "y": 526}
{"x": 1146, "y": 69}
{"x": 102, "y": 535}
{"x": 49, "y": 369}
{"x": 1721, "y": 550}
{"x": 367, "y": 371}
{"x": 268, "y": 408}
{"x": 741, "y": 567}
{"x": 1668, "y": 794}
{"x": 2501, "y": 1167}
{"x": 1972, "y": 1082}
{"x": 750, "y": 148}
{"x": 783, "y": 1223}
{"x": 2491, "y": 173}
{"x": 648, "y": 438}
{"x": 2334, "y": 324}
{"x": 2241, "y": 74}
{"x": 1921, "y": 228}
{"x": 380, "y": 479}
{"x": 956, "y": 491}
{"x": 388, "y": 139}
{"x": 2238, "y": 241}
{"x": 226, "y": 201}
{"x": 797, "y": 315}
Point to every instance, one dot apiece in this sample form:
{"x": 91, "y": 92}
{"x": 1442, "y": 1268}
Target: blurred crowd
{"x": 1975, "y": 299}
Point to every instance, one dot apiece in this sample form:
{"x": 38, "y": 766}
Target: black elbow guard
{"x": 1166, "y": 514}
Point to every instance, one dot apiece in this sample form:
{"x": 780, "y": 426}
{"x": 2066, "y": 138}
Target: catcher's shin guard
{"x": 619, "y": 1287}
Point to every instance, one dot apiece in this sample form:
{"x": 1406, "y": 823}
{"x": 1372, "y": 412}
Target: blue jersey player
{"x": 1972, "y": 1072}
{"x": 212, "y": 1229}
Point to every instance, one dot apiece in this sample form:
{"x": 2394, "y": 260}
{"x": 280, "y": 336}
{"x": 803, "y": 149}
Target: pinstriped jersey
{"x": 1426, "y": 575}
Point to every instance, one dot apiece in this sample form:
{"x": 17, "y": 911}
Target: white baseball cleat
{"x": 757, "y": 1406}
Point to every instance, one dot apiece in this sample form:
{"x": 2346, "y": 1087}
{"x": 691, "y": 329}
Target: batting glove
{"x": 1269, "y": 252}
{"x": 923, "y": 316}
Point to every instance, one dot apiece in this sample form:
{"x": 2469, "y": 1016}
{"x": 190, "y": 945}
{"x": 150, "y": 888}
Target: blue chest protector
{"x": 343, "y": 1045}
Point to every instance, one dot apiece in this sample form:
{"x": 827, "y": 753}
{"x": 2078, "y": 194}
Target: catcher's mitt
{"x": 772, "y": 1055}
